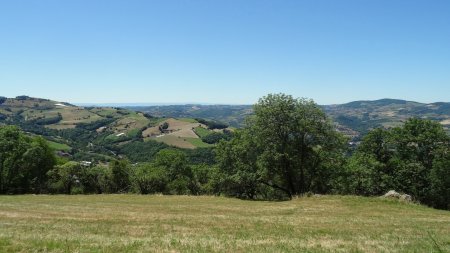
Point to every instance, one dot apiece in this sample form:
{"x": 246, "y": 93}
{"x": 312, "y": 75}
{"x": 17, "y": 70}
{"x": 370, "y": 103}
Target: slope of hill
{"x": 353, "y": 119}
{"x": 233, "y": 115}
{"x": 96, "y": 132}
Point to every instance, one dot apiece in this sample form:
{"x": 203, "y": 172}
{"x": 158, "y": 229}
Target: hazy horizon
{"x": 137, "y": 104}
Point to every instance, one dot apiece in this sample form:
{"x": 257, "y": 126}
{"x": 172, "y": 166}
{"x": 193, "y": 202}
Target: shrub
{"x": 148, "y": 179}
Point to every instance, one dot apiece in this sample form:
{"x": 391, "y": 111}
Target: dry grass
{"x": 29, "y": 103}
{"x": 151, "y": 131}
{"x": 181, "y": 133}
{"x": 70, "y": 116}
{"x": 134, "y": 223}
{"x": 175, "y": 141}
{"x": 130, "y": 123}
{"x": 445, "y": 122}
{"x": 60, "y": 127}
{"x": 76, "y": 115}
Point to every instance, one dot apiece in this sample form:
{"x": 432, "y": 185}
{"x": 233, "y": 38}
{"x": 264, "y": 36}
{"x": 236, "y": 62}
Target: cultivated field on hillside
{"x": 180, "y": 133}
{"x": 137, "y": 223}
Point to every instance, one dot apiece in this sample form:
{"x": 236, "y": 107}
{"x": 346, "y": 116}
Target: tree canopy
{"x": 413, "y": 159}
{"x": 289, "y": 145}
{"x": 24, "y": 161}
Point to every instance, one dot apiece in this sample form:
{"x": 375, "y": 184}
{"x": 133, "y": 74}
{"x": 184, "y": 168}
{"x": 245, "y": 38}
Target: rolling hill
{"x": 104, "y": 133}
{"x": 361, "y": 116}
{"x": 99, "y": 133}
{"x": 353, "y": 119}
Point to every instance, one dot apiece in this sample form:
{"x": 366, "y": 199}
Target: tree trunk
{"x": 289, "y": 193}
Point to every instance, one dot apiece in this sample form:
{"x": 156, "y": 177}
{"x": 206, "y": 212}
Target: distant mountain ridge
{"x": 362, "y": 116}
{"x": 353, "y": 119}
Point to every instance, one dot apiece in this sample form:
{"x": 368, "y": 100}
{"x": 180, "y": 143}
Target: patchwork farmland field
{"x": 137, "y": 223}
{"x": 180, "y": 133}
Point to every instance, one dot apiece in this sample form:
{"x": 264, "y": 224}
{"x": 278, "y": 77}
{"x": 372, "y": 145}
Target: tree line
{"x": 288, "y": 147}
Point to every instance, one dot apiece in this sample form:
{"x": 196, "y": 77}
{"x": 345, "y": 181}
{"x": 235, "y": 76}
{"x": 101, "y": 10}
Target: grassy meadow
{"x": 138, "y": 223}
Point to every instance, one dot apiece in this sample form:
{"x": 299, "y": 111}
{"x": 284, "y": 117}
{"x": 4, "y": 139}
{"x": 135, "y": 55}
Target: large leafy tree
{"x": 289, "y": 145}
{"x": 179, "y": 173}
{"x": 38, "y": 159}
{"x": 120, "y": 170}
{"x": 148, "y": 178}
{"x": 24, "y": 161}
{"x": 237, "y": 160}
{"x": 64, "y": 178}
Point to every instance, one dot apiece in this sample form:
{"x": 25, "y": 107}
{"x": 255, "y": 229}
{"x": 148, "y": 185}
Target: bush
{"x": 163, "y": 127}
{"x": 207, "y": 179}
{"x": 96, "y": 179}
{"x": 149, "y": 179}
{"x": 215, "y": 137}
{"x": 120, "y": 170}
{"x": 212, "y": 124}
{"x": 65, "y": 178}
{"x": 440, "y": 182}
{"x": 48, "y": 121}
{"x": 365, "y": 177}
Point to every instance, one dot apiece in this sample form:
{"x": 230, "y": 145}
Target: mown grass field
{"x": 137, "y": 223}
{"x": 201, "y": 131}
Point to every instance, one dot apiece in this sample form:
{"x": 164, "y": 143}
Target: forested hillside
{"x": 354, "y": 119}
{"x": 108, "y": 133}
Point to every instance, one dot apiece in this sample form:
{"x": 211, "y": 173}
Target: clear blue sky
{"x": 225, "y": 51}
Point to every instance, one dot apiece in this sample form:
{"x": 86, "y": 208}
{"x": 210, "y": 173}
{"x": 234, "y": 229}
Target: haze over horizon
{"x": 136, "y": 104}
{"x": 229, "y": 52}
{"x": 131, "y": 104}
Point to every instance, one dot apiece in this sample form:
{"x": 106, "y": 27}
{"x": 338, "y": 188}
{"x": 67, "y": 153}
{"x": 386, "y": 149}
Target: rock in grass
{"x": 395, "y": 195}
{"x": 406, "y": 197}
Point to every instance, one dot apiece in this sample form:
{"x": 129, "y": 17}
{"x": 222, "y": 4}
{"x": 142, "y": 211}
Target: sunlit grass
{"x": 58, "y": 146}
{"x": 136, "y": 223}
{"x": 198, "y": 143}
{"x": 202, "y": 132}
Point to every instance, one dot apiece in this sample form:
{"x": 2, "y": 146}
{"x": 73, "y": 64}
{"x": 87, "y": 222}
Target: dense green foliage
{"x": 211, "y": 124}
{"x": 169, "y": 173}
{"x": 164, "y": 126}
{"x": 289, "y": 146}
{"x": 215, "y": 137}
{"x": 142, "y": 151}
{"x": 48, "y": 121}
{"x": 24, "y": 162}
{"x": 413, "y": 159}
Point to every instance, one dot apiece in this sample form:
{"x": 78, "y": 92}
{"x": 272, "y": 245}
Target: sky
{"x": 224, "y": 51}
